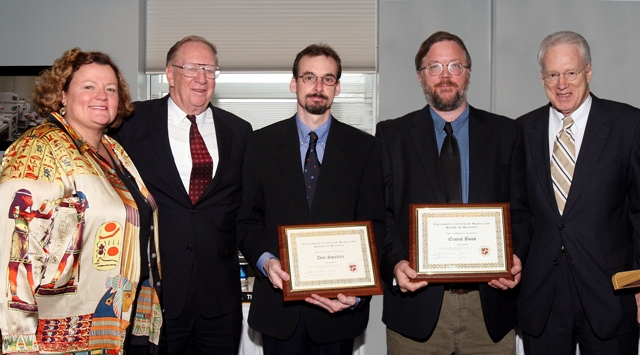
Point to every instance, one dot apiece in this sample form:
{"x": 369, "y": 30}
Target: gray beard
{"x": 440, "y": 104}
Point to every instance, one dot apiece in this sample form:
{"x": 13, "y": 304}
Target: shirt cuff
{"x": 357, "y": 303}
{"x": 263, "y": 259}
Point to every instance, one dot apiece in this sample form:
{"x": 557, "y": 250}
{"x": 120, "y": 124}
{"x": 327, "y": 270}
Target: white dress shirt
{"x": 179, "y": 126}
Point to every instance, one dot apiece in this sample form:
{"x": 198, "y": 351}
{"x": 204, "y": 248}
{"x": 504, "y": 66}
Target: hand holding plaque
{"x": 461, "y": 242}
{"x": 329, "y": 259}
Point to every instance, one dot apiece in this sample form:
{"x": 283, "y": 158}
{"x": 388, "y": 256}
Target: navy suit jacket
{"x": 350, "y": 188}
{"x": 195, "y": 240}
{"x": 412, "y": 174}
{"x": 600, "y": 223}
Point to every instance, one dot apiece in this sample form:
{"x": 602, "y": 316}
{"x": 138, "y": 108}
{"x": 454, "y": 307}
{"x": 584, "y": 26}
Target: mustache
{"x": 318, "y": 95}
{"x": 446, "y": 82}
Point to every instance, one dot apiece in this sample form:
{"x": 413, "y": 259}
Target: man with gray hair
{"x": 190, "y": 153}
{"x": 583, "y": 185}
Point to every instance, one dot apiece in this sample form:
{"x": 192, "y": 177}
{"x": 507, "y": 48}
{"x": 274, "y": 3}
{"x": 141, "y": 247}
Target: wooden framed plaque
{"x": 461, "y": 242}
{"x": 626, "y": 279}
{"x": 328, "y": 259}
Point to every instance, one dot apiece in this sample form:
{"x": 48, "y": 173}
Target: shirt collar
{"x": 322, "y": 131}
{"x": 579, "y": 116}
{"x": 178, "y": 116}
{"x": 460, "y": 121}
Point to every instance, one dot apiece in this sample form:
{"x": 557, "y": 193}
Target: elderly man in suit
{"x": 449, "y": 152}
{"x": 583, "y": 182}
{"x": 189, "y": 154}
{"x": 279, "y": 167}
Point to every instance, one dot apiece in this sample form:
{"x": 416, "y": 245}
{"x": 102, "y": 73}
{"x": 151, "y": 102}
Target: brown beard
{"x": 317, "y": 108}
{"x": 438, "y": 103}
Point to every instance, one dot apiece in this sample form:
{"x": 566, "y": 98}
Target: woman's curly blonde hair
{"x": 47, "y": 96}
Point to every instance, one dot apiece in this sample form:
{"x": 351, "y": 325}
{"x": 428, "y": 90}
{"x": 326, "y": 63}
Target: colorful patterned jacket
{"x": 70, "y": 250}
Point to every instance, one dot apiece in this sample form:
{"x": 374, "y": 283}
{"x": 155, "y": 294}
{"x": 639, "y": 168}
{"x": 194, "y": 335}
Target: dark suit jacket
{"x": 201, "y": 237}
{"x": 599, "y": 226}
{"x": 412, "y": 174}
{"x": 350, "y": 188}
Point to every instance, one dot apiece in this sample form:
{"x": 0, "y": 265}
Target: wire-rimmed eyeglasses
{"x": 454, "y": 68}
{"x": 191, "y": 70}
{"x": 309, "y": 79}
{"x": 569, "y": 75}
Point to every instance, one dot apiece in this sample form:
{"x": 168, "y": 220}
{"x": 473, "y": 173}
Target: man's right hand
{"x": 275, "y": 272}
{"x": 404, "y": 277}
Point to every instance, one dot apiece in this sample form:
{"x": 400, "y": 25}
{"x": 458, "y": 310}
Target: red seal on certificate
{"x": 353, "y": 267}
{"x": 484, "y": 250}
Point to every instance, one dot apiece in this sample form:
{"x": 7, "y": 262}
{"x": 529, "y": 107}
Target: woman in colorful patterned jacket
{"x": 78, "y": 238}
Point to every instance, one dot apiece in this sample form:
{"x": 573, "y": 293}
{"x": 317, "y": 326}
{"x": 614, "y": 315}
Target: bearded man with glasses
{"x": 449, "y": 152}
{"x": 189, "y": 154}
{"x": 309, "y": 168}
{"x": 583, "y": 181}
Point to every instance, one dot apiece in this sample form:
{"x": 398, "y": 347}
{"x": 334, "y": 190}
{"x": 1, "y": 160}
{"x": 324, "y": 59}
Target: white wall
{"x": 502, "y": 37}
{"x": 36, "y": 32}
{"x": 610, "y": 27}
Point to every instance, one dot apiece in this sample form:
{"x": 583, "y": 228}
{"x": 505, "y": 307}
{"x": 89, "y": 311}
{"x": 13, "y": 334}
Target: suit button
{"x": 151, "y": 228}
{"x": 555, "y": 262}
{"x": 189, "y": 248}
{"x": 193, "y": 211}
{"x": 153, "y": 255}
{"x": 158, "y": 284}
{"x": 561, "y": 227}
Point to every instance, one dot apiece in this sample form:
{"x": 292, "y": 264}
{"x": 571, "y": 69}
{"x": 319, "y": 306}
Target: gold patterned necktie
{"x": 563, "y": 163}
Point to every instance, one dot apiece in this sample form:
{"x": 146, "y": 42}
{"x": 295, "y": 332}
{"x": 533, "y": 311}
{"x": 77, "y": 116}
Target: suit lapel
{"x": 333, "y": 165}
{"x": 540, "y": 155}
{"x": 158, "y": 129}
{"x": 479, "y": 140}
{"x": 424, "y": 138}
{"x": 595, "y": 135}
{"x": 289, "y": 160}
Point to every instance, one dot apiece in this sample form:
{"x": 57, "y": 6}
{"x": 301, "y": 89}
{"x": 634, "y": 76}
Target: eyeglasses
{"x": 454, "y": 68}
{"x": 568, "y": 75}
{"x": 191, "y": 70}
{"x": 328, "y": 80}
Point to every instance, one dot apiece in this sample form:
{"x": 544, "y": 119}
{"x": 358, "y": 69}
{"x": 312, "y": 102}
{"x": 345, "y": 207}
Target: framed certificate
{"x": 461, "y": 242}
{"x": 328, "y": 259}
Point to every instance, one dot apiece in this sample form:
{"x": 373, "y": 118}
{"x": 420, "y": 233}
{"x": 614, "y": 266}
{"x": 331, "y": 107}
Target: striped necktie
{"x": 563, "y": 162}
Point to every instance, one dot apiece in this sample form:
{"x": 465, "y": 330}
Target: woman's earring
{"x": 63, "y": 110}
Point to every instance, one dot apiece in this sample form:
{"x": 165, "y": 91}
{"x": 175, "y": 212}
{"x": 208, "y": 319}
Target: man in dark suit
{"x": 349, "y": 187}
{"x": 428, "y": 318}
{"x": 583, "y": 181}
{"x": 193, "y": 170}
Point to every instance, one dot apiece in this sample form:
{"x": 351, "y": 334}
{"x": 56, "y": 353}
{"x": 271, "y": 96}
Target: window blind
{"x": 264, "y": 34}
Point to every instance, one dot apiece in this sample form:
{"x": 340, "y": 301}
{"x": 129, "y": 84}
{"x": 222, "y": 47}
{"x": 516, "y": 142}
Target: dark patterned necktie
{"x": 450, "y": 167}
{"x": 311, "y": 167}
{"x": 202, "y": 164}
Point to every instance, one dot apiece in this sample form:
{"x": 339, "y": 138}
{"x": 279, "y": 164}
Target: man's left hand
{"x": 505, "y": 284}
{"x": 332, "y": 305}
